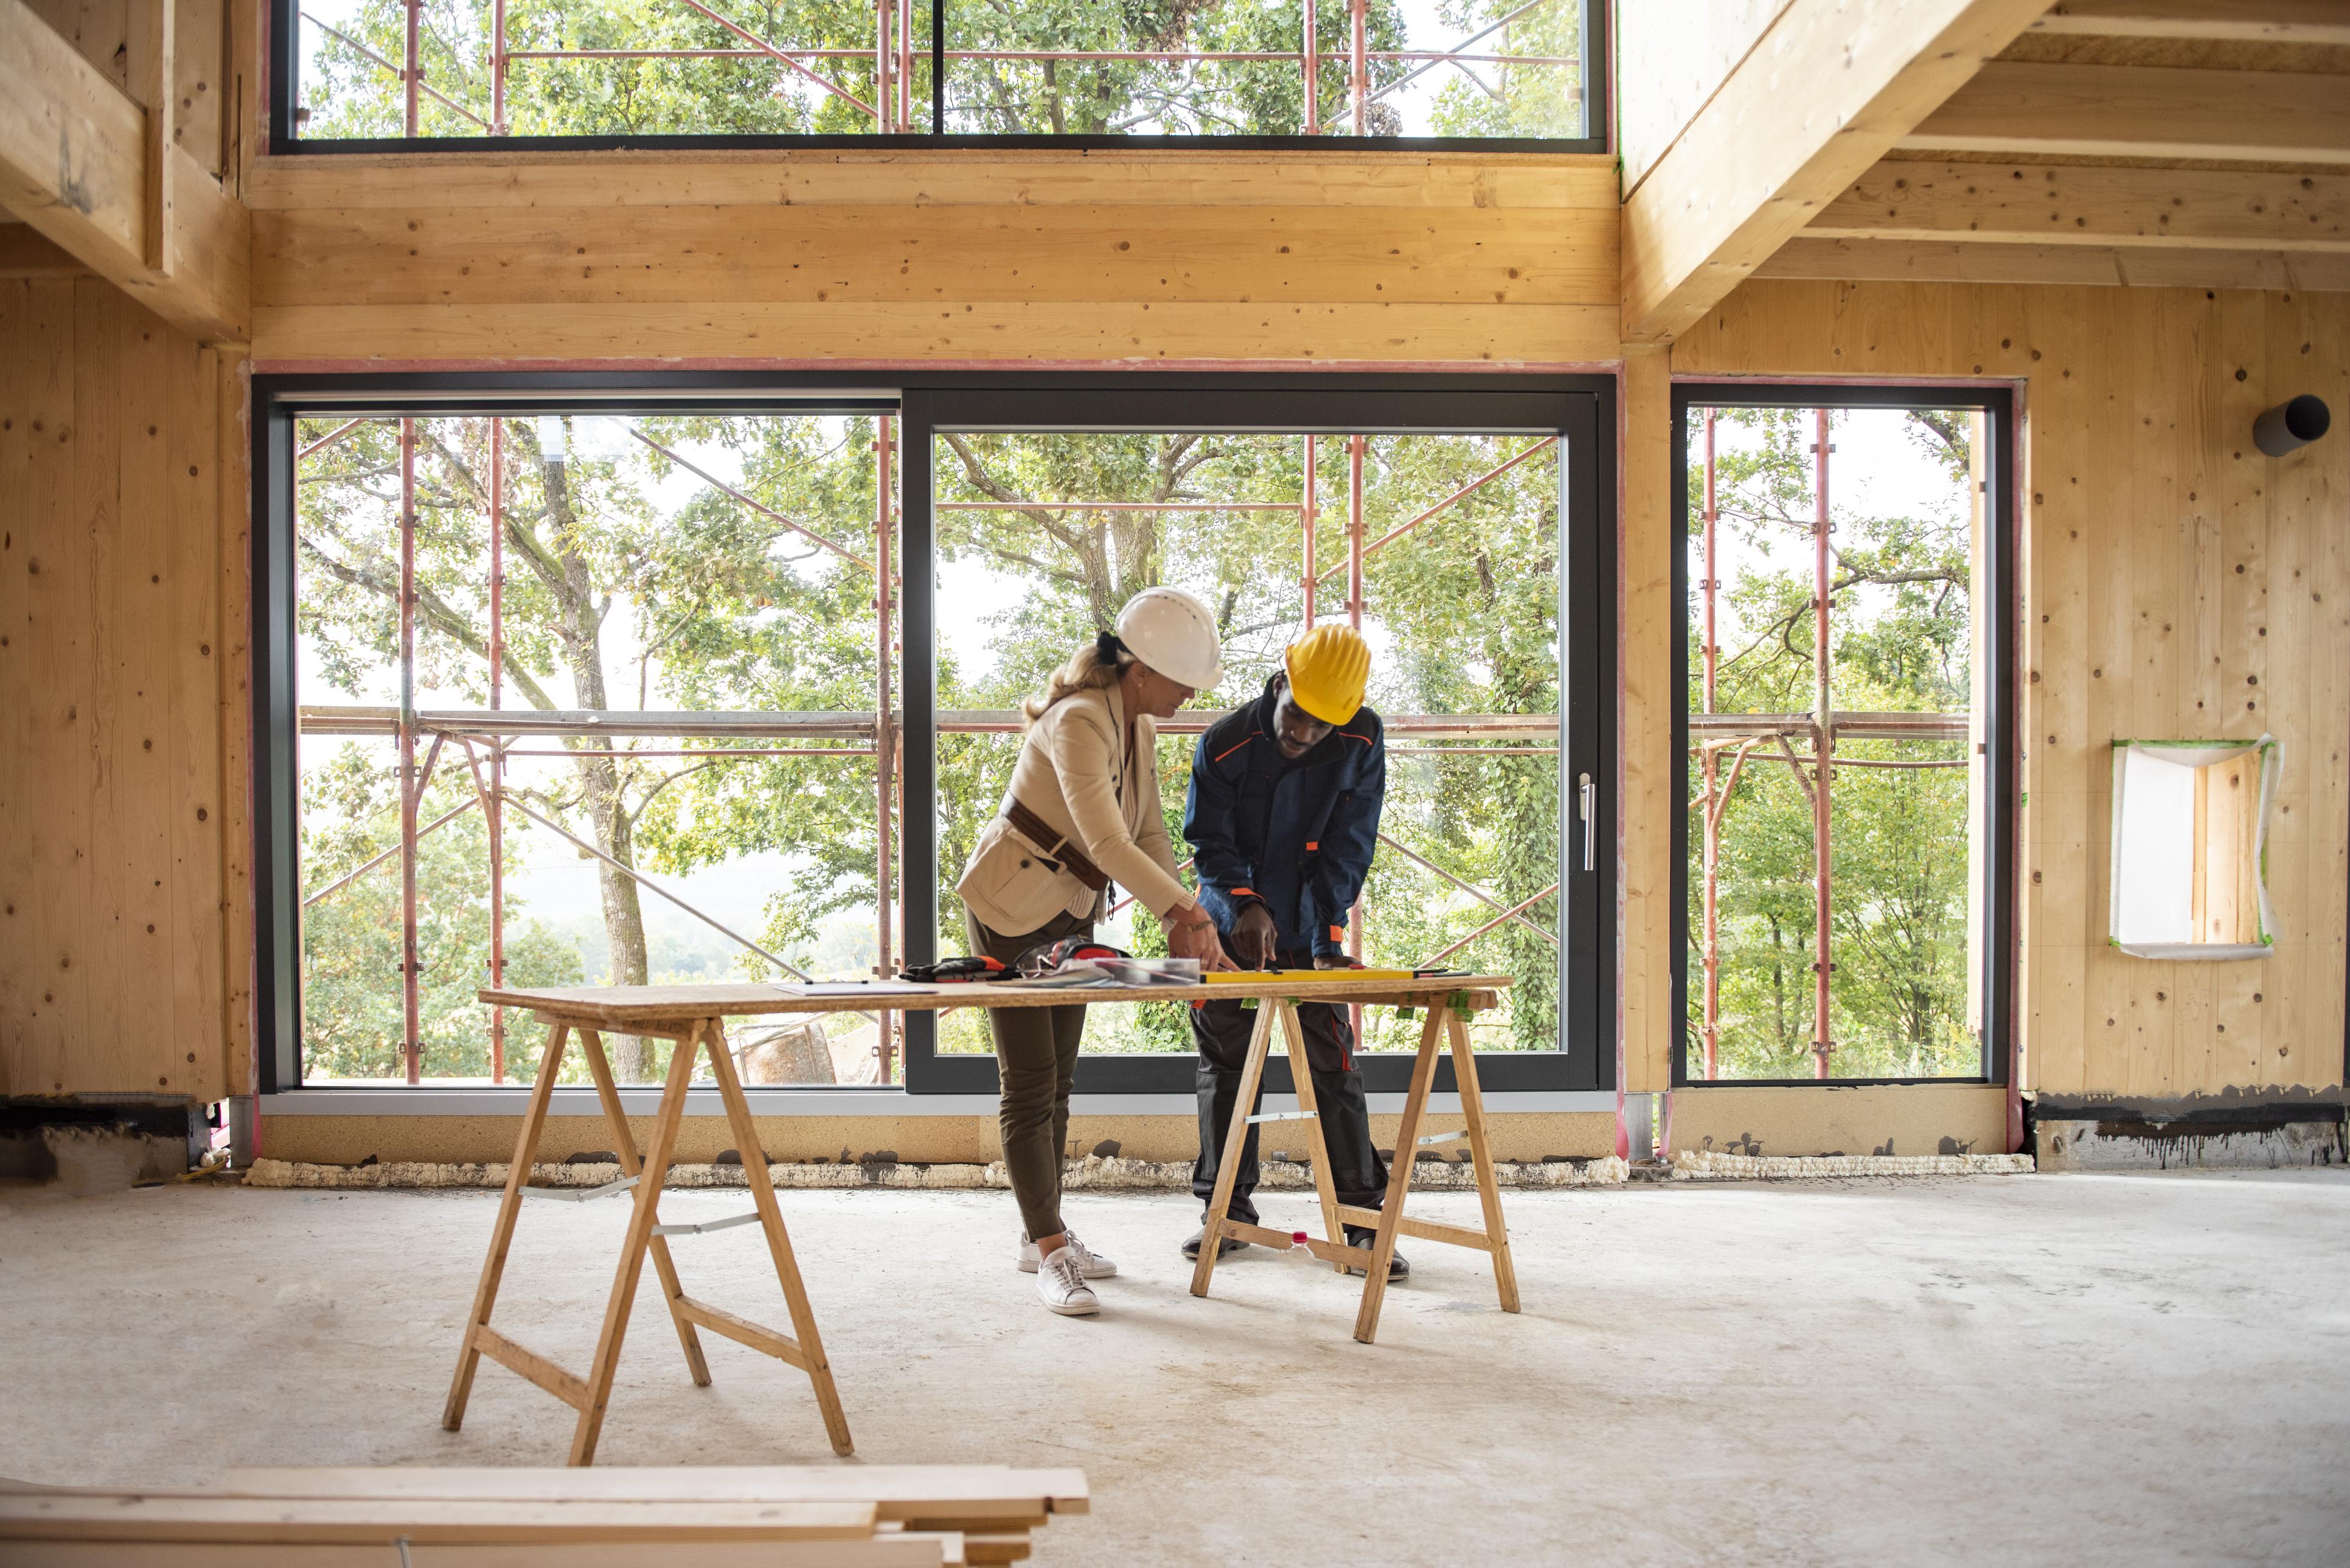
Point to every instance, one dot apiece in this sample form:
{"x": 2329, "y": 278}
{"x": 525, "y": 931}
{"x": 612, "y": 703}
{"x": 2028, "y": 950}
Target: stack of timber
{"x": 870, "y": 1516}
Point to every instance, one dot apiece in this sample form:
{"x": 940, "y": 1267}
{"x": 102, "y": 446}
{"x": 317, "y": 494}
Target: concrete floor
{"x": 2060, "y": 1369}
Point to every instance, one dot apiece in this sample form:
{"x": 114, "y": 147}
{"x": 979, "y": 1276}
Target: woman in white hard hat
{"x": 1083, "y": 811}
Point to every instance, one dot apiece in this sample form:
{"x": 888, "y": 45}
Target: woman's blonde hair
{"x": 1099, "y": 664}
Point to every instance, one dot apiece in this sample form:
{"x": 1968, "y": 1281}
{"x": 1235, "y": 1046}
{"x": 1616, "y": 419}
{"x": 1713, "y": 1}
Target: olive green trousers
{"x": 1036, "y": 1052}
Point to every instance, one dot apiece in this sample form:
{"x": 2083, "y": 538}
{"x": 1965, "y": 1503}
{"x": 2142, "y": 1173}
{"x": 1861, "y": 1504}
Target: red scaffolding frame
{"x": 1741, "y": 736}
{"x": 495, "y": 731}
{"x": 894, "y": 56}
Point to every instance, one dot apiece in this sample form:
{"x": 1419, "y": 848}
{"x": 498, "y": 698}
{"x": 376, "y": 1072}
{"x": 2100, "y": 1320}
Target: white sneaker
{"x": 1063, "y": 1289}
{"x": 1091, "y": 1264}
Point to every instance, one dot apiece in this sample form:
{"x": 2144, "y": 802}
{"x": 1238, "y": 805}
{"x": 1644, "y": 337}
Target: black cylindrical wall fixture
{"x": 2290, "y": 425}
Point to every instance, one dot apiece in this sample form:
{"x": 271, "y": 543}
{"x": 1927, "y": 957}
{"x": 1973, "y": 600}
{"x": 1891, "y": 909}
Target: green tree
{"x": 734, "y": 88}
{"x": 726, "y": 606}
{"x": 1900, "y": 835}
{"x": 354, "y": 1021}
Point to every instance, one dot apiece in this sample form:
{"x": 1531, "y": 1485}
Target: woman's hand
{"x": 1192, "y": 935}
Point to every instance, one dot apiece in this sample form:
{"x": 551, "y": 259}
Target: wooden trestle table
{"x": 693, "y": 1016}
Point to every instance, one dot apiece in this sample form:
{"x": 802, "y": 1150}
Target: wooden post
{"x": 156, "y": 89}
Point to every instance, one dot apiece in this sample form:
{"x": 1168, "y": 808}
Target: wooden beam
{"x": 74, "y": 163}
{"x": 2219, "y": 21}
{"x": 1832, "y": 86}
{"x": 2051, "y": 204}
{"x": 1920, "y": 261}
{"x": 158, "y": 91}
{"x": 25, "y": 251}
{"x": 2143, "y": 112}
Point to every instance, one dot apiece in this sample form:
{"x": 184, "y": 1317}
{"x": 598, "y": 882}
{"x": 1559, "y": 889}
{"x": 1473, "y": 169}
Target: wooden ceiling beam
{"x": 2216, "y": 21}
{"x": 1830, "y": 87}
{"x": 2143, "y": 111}
{"x": 77, "y": 162}
{"x": 25, "y": 251}
{"x": 1917, "y": 260}
{"x": 2091, "y": 206}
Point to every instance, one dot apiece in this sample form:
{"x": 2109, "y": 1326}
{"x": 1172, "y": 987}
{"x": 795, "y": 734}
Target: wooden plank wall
{"x": 881, "y": 258}
{"x": 123, "y": 957}
{"x": 2179, "y": 585}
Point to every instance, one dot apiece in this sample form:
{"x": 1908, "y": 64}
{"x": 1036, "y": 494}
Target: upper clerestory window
{"x": 355, "y": 75}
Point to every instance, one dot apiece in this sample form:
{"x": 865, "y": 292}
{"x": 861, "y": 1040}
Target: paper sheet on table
{"x": 860, "y": 988}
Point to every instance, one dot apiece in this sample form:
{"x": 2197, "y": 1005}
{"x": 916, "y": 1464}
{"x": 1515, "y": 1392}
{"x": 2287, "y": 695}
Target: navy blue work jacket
{"x": 1296, "y": 835}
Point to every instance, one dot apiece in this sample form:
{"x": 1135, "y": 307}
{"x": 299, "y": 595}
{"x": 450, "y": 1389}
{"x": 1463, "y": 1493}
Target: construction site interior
{"x": 1846, "y": 507}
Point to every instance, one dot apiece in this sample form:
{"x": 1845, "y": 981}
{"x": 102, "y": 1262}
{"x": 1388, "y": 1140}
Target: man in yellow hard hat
{"x": 1283, "y": 816}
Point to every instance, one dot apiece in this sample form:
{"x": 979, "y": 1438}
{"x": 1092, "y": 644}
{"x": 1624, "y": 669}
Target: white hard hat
{"x": 1173, "y": 633}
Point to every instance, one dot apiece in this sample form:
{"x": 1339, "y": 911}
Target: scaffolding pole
{"x": 410, "y": 786}
{"x": 1307, "y": 514}
{"x": 1822, "y": 749}
{"x": 1354, "y": 445}
{"x": 498, "y": 59}
{"x": 885, "y": 737}
{"x": 1714, "y": 798}
{"x": 493, "y": 801}
{"x": 1359, "y": 70}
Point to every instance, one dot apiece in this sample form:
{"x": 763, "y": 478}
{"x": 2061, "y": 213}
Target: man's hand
{"x": 1335, "y": 961}
{"x": 1255, "y": 941}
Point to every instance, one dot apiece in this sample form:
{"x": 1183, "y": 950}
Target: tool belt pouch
{"x": 1052, "y": 846}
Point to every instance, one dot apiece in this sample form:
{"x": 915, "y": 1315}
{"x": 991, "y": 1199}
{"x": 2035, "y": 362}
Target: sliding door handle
{"x": 1583, "y": 795}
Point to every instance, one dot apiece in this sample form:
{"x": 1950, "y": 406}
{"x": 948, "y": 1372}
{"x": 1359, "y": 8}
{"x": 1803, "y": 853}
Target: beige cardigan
{"x": 1072, "y": 773}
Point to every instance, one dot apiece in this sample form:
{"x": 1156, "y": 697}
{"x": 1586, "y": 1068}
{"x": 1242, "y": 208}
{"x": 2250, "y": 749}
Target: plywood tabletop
{"x": 616, "y": 1006}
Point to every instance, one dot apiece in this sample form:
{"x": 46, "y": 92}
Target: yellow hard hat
{"x": 1328, "y": 667}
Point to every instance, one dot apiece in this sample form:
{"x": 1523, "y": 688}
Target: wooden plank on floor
{"x": 47, "y": 1516}
{"x": 880, "y": 1551}
{"x": 932, "y": 1491}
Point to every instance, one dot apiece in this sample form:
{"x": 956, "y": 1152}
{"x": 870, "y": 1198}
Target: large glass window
{"x": 623, "y": 732}
{"x": 363, "y": 72}
{"x": 1844, "y": 907}
{"x": 642, "y": 689}
{"x": 1442, "y": 548}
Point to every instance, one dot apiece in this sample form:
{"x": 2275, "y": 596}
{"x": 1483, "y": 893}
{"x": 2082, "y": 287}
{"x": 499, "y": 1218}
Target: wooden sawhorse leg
{"x": 591, "y": 1394}
{"x": 1333, "y": 1249}
{"x": 1444, "y": 1026}
{"x": 479, "y": 1336}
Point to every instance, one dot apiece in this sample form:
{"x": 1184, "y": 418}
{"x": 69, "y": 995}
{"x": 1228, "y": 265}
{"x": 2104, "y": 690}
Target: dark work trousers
{"x": 1221, "y": 1030}
{"x": 1037, "y": 1049}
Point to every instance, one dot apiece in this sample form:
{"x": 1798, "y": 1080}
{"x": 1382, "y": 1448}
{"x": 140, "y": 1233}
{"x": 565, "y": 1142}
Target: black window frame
{"x": 2001, "y": 802}
{"x": 286, "y": 96}
{"x": 1580, "y": 409}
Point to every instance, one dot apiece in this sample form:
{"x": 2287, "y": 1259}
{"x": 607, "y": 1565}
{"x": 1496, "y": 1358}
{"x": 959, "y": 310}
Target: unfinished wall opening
{"x": 1844, "y": 861}
{"x": 627, "y": 690}
{"x": 357, "y": 72}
